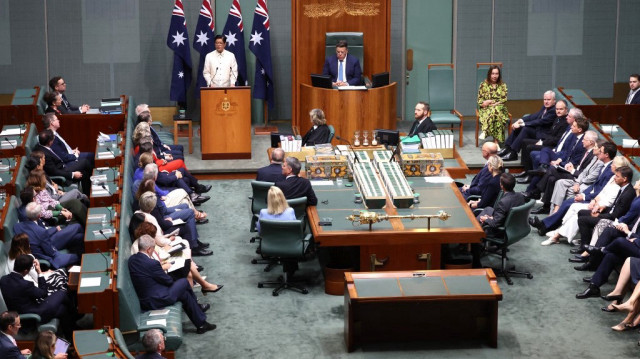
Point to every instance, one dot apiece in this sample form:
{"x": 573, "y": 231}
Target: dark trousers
{"x": 554, "y": 220}
{"x": 181, "y": 291}
{"x": 84, "y": 167}
{"x": 614, "y": 255}
{"x": 518, "y": 136}
{"x": 528, "y": 145}
{"x": 586, "y": 223}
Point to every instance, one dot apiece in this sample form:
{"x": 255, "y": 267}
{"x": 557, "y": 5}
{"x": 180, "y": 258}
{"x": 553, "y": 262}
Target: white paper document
{"x": 16, "y": 131}
{"x": 90, "y": 282}
{"x": 438, "y": 179}
{"x": 629, "y": 143}
{"x": 162, "y": 322}
{"x": 74, "y": 269}
{"x": 321, "y": 183}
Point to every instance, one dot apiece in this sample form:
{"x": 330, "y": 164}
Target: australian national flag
{"x": 178, "y": 41}
{"x": 260, "y": 45}
{"x": 203, "y": 40}
{"x": 234, "y": 32}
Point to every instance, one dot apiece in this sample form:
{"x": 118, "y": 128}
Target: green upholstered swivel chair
{"x": 299, "y": 206}
{"x": 516, "y": 227}
{"x": 481, "y": 75}
{"x": 285, "y": 242}
{"x": 441, "y": 97}
{"x": 355, "y": 41}
{"x": 258, "y": 201}
{"x": 332, "y": 132}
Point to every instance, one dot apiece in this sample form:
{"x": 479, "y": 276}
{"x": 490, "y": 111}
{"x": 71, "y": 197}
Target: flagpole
{"x": 266, "y": 129}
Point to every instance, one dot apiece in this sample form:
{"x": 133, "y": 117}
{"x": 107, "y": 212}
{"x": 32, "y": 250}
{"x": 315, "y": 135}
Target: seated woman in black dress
{"x": 53, "y": 100}
{"x": 319, "y": 133}
{"x": 491, "y": 191}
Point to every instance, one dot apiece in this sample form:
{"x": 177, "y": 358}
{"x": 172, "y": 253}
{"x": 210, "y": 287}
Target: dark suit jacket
{"x": 157, "y": 143}
{"x": 296, "y": 187}
{"x": 575, "y": 152}
{"x": 426, "y": 126}
{"x": 39, "y": 240}
{"x": 634, "y": 211}
{"x": 315, "y": 136}
{"x": 592, "y": 191}
{"x": 556, "y": 132}
{"x": 58, "y": 147}
{"x": 152, "y": 284}
{"x": 508, "y": 201}
{"x": 541, "y": 123}
{"x": 490, "y": 192}
{"x": 479, "y": 181}
{"x": 66, "y": 107}
{"x": 53, "y": 164}
{"x": 636, "y": 99}
{"x": 352, "y": 70}
{"x": 270, "y": 173}
{"x": 622, "y": 204}
{"x": 8, "y": 350}
{"x": 21, "y": 295}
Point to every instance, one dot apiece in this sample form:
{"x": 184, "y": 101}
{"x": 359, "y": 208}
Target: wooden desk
{"x": 100, "y": 299}
{"x": 94, "y": 242}
{"x": 107, "y": 199}
{"x": 21, "y": 140}
{"x": 107, "y": 155}
{"x": 8, "y": 178}
{"x": 407, "y": 244}
{"x": 627, "y": 116}
{"x": 422, "y": 305}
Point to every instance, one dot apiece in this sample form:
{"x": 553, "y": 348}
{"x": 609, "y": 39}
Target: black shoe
{"x": 205, "y": 328}
{"x": 591, "y": 291}
{"x": 535, "y": 222}
{"x": 541, "y": 210}
{"x": 535, "y": 194}
{"x": 617, "y": 298}
{"x": 608, "y": 310}
{"x": 511, "y": 156}
{"x": 585, "y": 267}
{"x": 578, "y": 250}
{"x": 205, "y": 291}
{"x": 592, "y": 249}
{"x": 202, "y": 221}
{"x": 579, "y": 259}
{"x": 521, "y": 174}
{"x": 504, "y": 151}
{"x": 203, "y": 245}
{"x": 199, "y": 268}
{"x": 526, "y": 195}
{"x": 200, "y": 252}
{"x": 536, "y": 172}
{"x": 587, "y": 279}
{"x": 524, "y": 180}
{"x": 198, "y": 199}
{"x": 204, "y": 307}
{"x": 200, "y": 188}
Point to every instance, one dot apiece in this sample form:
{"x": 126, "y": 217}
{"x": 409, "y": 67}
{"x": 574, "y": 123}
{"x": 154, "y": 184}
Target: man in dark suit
{"x": 45, "y": 242}
{"x": 634, "y": 90}
{"x": 51, "y": 122}
{"x": 535, "y": 126}
{"x": 587, "y": 219}
{"x": 55, "y": 166}
{"x": 156, "y": 289}
{"x": 481, "y": 178}
{"x": 293, "y": 186}
{"x": 9, "y": 327}
{"x": 560, "y": 125}
{"x": 272, "y": 172}
{"x": 569, "y": 150}
{"x": 344, "y": 70}
{"x": 57, "y": 84}
{"x": 23, "y": 296}
{"x": 423, "y": 123}
{"x": 153, "y": 343}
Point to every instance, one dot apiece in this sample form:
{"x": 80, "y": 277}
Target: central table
{"x": 405, "y": 244}
{"x": 427, "y": 305}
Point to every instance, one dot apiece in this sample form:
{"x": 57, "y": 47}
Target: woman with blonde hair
{"x": 277, "y": 207}
{"x": 319, "y": 133}
{"x": 45, "y": 346}
{"x": 492, "y": 189}
{"x": 141, "y": 130}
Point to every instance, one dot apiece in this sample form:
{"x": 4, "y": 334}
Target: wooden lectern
{"x": 225, "y": 123}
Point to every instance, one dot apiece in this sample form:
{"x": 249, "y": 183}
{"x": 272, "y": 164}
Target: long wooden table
{"x": 421, "y": 305}
{"x": 398, "y": 244}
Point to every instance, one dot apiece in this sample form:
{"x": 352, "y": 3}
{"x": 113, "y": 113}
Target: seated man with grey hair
{"x": 272, "y": 172}
{"x": 46, "y": 243}
{"x": 162, "y": 150}
{"x": 153, "y": 343}
{"x": 294, "y": 186}
{"x": 156, "y": 289}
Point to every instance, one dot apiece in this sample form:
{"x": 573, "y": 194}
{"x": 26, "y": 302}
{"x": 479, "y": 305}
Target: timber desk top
{"x": 338, "y": 202}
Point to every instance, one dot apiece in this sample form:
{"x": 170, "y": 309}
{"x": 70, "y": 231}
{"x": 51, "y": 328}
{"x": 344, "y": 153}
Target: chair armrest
{"x": 31, "y": 317}
{"x": 159, "y": 124}
{"x": 59, "y": 180}
{"x": 455, "y": 112}
{"x": 473, "y": 197}
{"x": 476, "y": 211}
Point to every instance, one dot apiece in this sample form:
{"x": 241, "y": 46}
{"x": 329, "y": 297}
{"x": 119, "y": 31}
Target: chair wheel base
{"x": 254, "y": 261}
{"x": 260, "y": 285}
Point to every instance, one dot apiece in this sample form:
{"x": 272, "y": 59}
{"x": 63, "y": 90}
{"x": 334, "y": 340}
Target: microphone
{"x": 214, "y": 75}
{"x": 356, "y": 159}
{"x": 106, "y": 189}
{"x": 231, "y": 73}
{"x": 395, "y": 152}
{"x": 106, "y": 260}
{"x": 104, "y": 235}
{"x": 9, "y": 142}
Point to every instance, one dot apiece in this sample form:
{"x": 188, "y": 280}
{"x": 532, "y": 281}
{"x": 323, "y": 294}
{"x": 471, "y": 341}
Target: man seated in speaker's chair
{"x": 344, "y": 70}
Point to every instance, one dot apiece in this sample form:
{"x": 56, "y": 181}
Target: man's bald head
{"x": 489, "y": 149}
{"x": 277, "y": 156}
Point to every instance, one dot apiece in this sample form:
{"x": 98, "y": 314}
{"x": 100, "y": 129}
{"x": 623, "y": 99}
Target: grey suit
{"x": 564, "y": 187}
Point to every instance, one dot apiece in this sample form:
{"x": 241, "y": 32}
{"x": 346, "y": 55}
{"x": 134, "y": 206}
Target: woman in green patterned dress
{"x": 492, "y": 96}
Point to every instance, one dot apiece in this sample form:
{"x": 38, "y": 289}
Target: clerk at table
{"x": 344, "y": 70}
